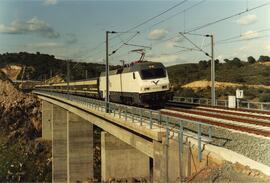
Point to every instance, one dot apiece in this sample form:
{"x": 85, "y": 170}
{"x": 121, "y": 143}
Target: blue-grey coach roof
{"x": 133, "y": 67}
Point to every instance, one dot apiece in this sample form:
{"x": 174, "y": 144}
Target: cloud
{"x": 32, "y": 26}
{"x": 44, "y": 45}
{"x": 50, "y": 2}
{"x": 164, "y": 58}
{"x": 246, "y": 20}
{"x": 220, "y": 57}
{"x": 171, "y": 43}
{"x": 268, "y": 47}
{"x": 178, "y": 39}
{"x": 157, "y": 34}
{"x": 250, "y": 35}
{"x": 71, "y": 38}
{"x": 261, "y": 47}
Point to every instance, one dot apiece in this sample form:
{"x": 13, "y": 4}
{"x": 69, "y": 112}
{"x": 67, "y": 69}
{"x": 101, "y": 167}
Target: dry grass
{"x": 202, "y": 84}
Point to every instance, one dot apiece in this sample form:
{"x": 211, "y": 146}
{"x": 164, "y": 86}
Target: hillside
{"x": 192, "y": 80}
{"x": 41, "y": 66}
{"x": 245, "y": 73}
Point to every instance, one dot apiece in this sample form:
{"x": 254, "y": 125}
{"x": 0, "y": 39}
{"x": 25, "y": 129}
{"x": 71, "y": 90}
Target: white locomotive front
{"x": 141, "y": 83}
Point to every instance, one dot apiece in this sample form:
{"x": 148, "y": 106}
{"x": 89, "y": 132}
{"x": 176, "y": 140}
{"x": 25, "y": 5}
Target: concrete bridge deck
{"x": 134, "y": 143}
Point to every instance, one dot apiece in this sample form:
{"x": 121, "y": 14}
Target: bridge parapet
{"x": 262, "y": 106}
{"x": 146, "y": 122}
{"x": 147, "y": 130}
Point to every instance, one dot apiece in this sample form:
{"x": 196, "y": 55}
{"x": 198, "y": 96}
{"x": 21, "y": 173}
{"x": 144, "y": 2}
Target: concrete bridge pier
{"x": 72, "y": 143}
{"x": 170, "y": 166}
{"x": 47, "y": 120}
{"x": 160, "y": 170}
{"x": 81, "y": 149}
{"x": 59, "y": 144}
{"x": 120, "y": 160}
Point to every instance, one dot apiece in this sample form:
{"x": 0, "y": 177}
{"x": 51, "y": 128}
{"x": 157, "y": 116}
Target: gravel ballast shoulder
{"x": 254, "y": 147}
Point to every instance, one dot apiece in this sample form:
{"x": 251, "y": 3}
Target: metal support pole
{"x": 213, "y": 92}
{"x": 199, "y": 142}
{"x": 167, "y": 131}
{"x": 182, "y": 135}
{"x": 107, "y": 71}
{"x": 125, "y": 113}
{"x": 159, "y": 119}
{"x": 68, "y": 149}
{"x": 180, "y": 151}
{"x": 141, "y": 116}
{"x": 210, "y": 132}
{"x": 68, "y": 79}
{"x": 51, "y": 73}
{"x": 151, "y": 122}
{"x": 237, "y": 103}
{"x": 119, "y": 112}
{"x": 132, "y": 113}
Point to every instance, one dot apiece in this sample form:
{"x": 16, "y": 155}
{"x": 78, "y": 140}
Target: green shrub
{"x": 265, "y": 97}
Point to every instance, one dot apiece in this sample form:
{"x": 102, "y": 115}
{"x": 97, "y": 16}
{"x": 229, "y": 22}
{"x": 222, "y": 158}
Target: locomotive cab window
{"x": 134, "y": 77}
{"x": 153, "y": 73}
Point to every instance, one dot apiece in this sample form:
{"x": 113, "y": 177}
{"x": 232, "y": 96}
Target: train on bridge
{"x": 140, "y": 83}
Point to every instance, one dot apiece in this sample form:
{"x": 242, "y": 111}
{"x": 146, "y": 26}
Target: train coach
{"x": 140, "y": 83}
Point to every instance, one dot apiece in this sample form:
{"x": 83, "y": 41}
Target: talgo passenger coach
{"x": 141, "y": 83}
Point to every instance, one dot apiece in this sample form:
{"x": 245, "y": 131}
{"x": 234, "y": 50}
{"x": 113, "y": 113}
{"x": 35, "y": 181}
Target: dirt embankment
{"x": 55, "y": 79}
{"x": 23, "y": 158}
{"x": 203, "y": 84}
{"x": 12, "y": 71}
{"x": 18, "y": 109}
{"x": 264, "y": 63}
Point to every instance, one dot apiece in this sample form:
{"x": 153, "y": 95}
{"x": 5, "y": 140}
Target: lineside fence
{"x": 148, "y": 118}
{"x": 263, "y": 106}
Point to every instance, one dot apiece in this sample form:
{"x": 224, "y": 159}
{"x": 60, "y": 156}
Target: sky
{"x": 76, "y": 29}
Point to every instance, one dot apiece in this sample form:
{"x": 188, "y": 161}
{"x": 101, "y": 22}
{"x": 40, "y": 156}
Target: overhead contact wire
{"x": 229, "y": 17}
{"x": 146, "y": 21}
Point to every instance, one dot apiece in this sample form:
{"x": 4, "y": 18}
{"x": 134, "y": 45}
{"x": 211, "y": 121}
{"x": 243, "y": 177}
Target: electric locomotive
{"x": 140, "y": 83}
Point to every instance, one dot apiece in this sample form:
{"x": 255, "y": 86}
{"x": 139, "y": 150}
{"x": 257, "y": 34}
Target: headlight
{"x": 164, "y": 87}
{"x": 146, "y": 89}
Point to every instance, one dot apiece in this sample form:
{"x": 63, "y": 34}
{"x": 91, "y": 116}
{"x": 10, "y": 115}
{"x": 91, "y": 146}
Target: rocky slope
{"x": 20, "y": 127}
{"x": 228, "y": 172}
{"x": 12, "y": 71}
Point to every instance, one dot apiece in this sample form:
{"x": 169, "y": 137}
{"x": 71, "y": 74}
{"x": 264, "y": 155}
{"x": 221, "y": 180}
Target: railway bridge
{"x": 135, "y": 142}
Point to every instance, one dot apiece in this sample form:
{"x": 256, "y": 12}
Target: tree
{"x": 264, "y": 59}
{"x": 237, "y": 62}
{"x": 203, "y": 64}
{"x": 226, "y": 60}
{"x": 251, "y": 60}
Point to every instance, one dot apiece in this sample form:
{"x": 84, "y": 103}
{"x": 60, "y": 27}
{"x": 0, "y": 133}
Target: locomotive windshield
{"x": 153, "y": 73}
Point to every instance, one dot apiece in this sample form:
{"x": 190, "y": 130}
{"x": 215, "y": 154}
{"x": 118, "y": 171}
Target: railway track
{"x": 239, "y": 110}
{"x": 247, "y": 121}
